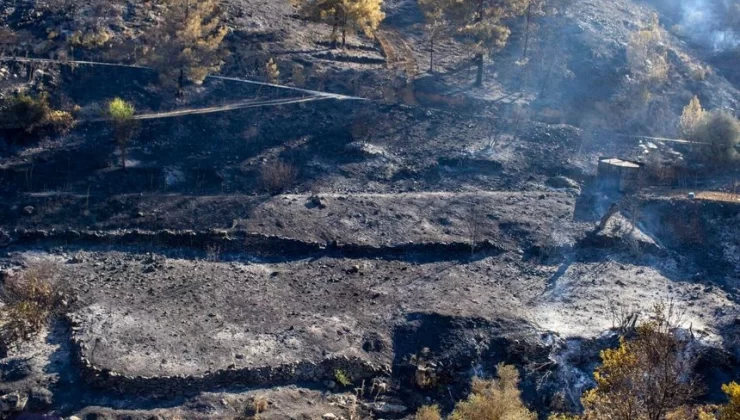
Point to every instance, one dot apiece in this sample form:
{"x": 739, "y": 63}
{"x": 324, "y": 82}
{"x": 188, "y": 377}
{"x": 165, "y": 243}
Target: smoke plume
{"x": 712, "y": 23}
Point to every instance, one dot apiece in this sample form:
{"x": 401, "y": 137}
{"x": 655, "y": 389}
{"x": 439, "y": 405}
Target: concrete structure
{"x": 621, "y": 175}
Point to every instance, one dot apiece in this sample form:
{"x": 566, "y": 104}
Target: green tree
{"x": 121, "y": 114}
{"x": 436, "y": 16}
{"x": 186, "y": 44}
{"x": 719, "y": 132}
{"x": 484, "y": 23}
{"x": 344, "y": 15}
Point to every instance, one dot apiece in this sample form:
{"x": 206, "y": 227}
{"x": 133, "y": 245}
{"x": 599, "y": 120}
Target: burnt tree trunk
{"x": 334, "y": 29}
{"x": 431, "y": 56}
{"x": 479, "y": 55}
{"x": 526, "y": 31}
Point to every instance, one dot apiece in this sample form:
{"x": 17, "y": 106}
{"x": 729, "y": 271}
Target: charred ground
{"x": 442, "y": 229}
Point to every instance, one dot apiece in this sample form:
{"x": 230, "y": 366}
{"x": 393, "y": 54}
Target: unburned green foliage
{"x": 121, "y": 114}
{"x": 34, "y": 115}
{"x": 719, "y": 132}
{"x": 341, "y": 377}
{"x": 344, "y": 15}
{"x": 186, "y": 43}
{"x": 484, "y": 24}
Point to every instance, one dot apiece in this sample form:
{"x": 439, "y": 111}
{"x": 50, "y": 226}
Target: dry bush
{"x": 645, "y": 56}
{"x": 90, "y": 39}
{"x": 276, "y": 176}
{"x": 646, "y": 377}
{"x": 428, "y": 412}
{"x": 700, "y": 73}
{"x": 272, "y": 72}
{"x": 31, "y": 299}
{"x": 731, "y": 410}
{"x": 259, "y": 405}
{"x": 299, "y": 76}
{"x": 498, "y": 399}
{"x": 692, "y": 115}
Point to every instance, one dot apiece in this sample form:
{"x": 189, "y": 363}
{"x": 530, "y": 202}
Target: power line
{"x": 314, "y": 93}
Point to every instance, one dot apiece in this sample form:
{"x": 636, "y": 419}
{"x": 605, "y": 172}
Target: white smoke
{"x": 705, "y": 21}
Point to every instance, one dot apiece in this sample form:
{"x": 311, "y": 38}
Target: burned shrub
{"x": 277, "y": 176}
{"x": 31, "y": 299}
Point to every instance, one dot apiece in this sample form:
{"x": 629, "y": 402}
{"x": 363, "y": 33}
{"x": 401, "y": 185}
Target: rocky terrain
{"x": 437, "y": 234}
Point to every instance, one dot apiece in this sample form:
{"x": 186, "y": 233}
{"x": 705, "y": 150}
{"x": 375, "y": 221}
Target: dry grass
{"x": 277, "y": 176}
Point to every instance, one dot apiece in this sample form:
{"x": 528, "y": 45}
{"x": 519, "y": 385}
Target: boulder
{"x": 12, "y": 403}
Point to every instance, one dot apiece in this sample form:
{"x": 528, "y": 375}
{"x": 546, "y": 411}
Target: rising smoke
{"x": 712, "y": 23}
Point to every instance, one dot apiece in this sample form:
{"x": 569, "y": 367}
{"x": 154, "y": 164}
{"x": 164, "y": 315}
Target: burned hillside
{"x": 365, "y": 209}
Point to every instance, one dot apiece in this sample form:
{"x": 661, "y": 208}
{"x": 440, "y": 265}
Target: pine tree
{"x": 358, "y": 15}
{"x": 121, "y": 114}
{"x": 484, "y": 24}
{"x": 435, "y": 13}
{"x": 186, "y": 45}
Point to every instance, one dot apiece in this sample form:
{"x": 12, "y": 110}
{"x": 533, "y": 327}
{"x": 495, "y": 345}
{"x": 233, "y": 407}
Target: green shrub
{"x": 120, "y": 110}
{"x": 34, "y": 115}
{"x": 719, "y": 132}
{"x": 341, "y": 377}
{"x": 121, "y": 114}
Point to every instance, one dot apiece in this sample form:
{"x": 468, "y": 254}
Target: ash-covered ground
{"x": 443, "y": 233}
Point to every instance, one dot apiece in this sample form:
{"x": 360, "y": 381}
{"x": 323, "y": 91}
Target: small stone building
{"x": 618, "y": 174}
